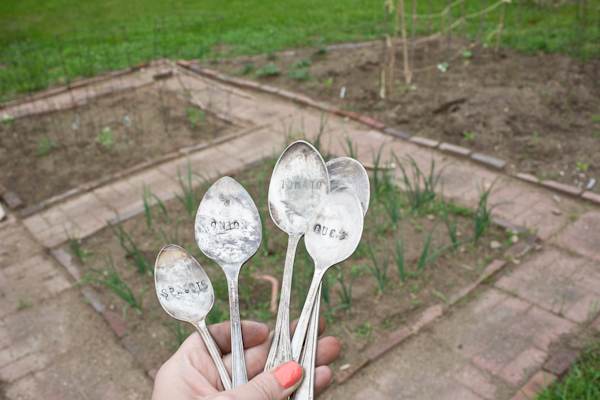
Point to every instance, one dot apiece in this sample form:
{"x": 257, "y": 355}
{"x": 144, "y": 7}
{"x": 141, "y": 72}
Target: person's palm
{"x": 191, "y": 373}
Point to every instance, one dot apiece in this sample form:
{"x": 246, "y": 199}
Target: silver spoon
{"x": 343, "y": 172}
{"x": 333, "y": 233}
{"x": 186, "y": 294}
{"x": 228, "y": 231}
{"x": 347, "y": 172}
{"x": 298, "y": 185}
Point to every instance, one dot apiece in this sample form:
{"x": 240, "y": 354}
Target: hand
{"x": 191, "y": 373}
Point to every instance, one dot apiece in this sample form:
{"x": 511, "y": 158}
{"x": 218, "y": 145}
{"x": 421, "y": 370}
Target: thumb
{"x": 275, "y": 384}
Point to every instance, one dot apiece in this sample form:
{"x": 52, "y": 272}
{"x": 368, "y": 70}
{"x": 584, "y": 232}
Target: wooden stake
{"x": 426, "y": 61}
{"x": 500, "y": 28}
{"x": 449, "y": 28}
{"x": 478, "y": 41}
{"x": 393, "y": 54}
{"x": 412, "y": 35}
{"x": 384, "y": 48}
{"x": 464, "y": 20}
{"x": 407, "y": 74}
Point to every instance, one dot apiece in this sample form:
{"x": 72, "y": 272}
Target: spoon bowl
{"x": 229, "y": 232}
{"x": 185, "y": 293}
{"x": 347, "y": 172}
{"x": 298, "y": 185}
{"x": 333, "y": 234}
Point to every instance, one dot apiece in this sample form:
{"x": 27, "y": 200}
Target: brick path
{"x": 485, "y": 350}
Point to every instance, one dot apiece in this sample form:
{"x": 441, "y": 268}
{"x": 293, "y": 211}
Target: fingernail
{"x": 288, "y": 374}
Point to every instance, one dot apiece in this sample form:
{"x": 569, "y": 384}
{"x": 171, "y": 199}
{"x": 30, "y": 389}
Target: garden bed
{"x": 47, "y": 155}
{"x": 366, "y": 297}
{"x": 540, "y": 113}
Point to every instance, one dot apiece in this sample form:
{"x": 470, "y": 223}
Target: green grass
{"x": 57, "y": 41}
{"x": 581, "y": 383}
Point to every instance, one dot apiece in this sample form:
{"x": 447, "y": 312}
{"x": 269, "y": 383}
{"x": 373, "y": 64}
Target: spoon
{"x": 298, "y": 185}
{"x": 186, "y": 294}
{"x": 347, "y": 172}
{"x": 343, "y": 172}
{"x": 229, "y": 232}
{"x": 333, "y": 233}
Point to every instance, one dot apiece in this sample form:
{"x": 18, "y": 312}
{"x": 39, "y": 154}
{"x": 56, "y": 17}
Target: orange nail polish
{"x": 288, "y": 374}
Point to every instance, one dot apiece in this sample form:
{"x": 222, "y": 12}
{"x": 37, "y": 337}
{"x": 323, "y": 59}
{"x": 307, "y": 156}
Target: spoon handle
{"x": 238, "y": 365}
{"x": 280, "y": 351}
{"x": 300, "y": 333}
{"x": 214, "y": 353}
{"x": 306, "y": 391}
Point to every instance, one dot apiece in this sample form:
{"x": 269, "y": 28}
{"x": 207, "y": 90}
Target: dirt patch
{"x": 540, "y": 113}
{"x": 47, "y": 155}
{"x": 374, "y": 310}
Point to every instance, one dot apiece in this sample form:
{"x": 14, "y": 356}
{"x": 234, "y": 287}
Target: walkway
{"x": 485, "y": 350}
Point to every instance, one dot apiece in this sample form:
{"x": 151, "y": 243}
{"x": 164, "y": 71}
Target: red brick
{"x": 454, "y": 149}
{"x": 397, "y": 133}
{"x": 536, "y": 384}
{"x": 477, "y": 381}
{"x": 541, "y": 217}
{"x": 57, "y": 384}
{"x": 491, "y": 269}
{"x": 395, "y": 338}
{"x": 268, "y": 89}
{"x": 287, "y": 94}
{"x": 66, "y": 259}
{"x": 20, "y": 349}
{"x": 25, "y": 388}
{"x": 584, "y": 309}
{"x": 541, "y": 327}
{"x": 527, "y": 177}
{"x": 561, "y": 187}
{"x": 488, "y": 161}
{"x": 29, "y": 363}
{"x": 561, "y": 361}
{"x": 103, "y": 390}
{"x": 5, "y": 339}
{"x": 424, "y": 141}
{"x": 518, "y": 370}
{"x": 371, "y": 122}
{"x": 583, "y": 236}
{"x": 347, "y": 374}
{"x": 591, "y": 196}
{"x": 427, "y": 316}
{"x": 115, "y": 321}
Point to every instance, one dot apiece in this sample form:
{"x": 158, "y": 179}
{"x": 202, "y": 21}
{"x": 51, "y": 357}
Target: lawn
{"x": 59, "y": 40}
{"x": 582, "y": 382}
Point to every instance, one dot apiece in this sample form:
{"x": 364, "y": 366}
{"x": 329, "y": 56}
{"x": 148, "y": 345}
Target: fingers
{"x": 323, "y": 376}
{"x": 328, "y": 349}
{"x": 253, "y": 333}
{"x": 276, "y": 384}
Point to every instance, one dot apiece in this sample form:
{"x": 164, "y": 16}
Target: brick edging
{"x": 553, "y": 369}
{"x": 425, "y": 319}
{"x": 488, "y": 161}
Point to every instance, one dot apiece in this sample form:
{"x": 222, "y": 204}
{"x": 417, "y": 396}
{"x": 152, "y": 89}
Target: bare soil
{"x": 541, "y": 113}
{"x": 47, "y": 155}
{"x": 373, "y": 313}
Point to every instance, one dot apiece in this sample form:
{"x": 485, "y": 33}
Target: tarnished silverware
{"x": 347, "y": 172}
{"x": 229, "y": 232}
{"x": 185, "y": 293}
{"x": 343, "y": 172}
{"x": 333, "y": 233}
{"x": 298, "y": 185}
